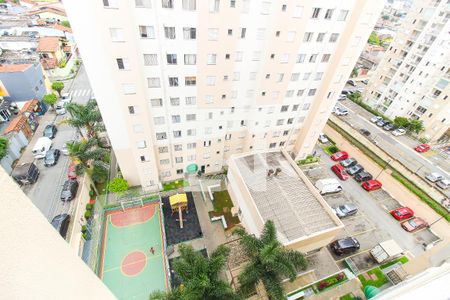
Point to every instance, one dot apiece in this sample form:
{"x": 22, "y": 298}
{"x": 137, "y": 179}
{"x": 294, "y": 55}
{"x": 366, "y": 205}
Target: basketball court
{"x": 133, "y": 259}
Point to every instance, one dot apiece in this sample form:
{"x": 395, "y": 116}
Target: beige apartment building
{"x": 186, "y": 83}
{"x": 413, "y": 78}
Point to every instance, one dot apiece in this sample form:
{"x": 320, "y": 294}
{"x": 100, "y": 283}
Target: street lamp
{"x": 387, "y": 163}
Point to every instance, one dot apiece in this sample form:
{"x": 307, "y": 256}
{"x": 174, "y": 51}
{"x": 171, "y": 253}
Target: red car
{"x": 341, "y": 155}
{"x": 422, "y": 148}
{"x": 402, "y": 213}
{"x": 371, "y": 185}
{"x": 340, "y": 171}
{"x": 414, "y": 224}
{"x": 71, "y": 172}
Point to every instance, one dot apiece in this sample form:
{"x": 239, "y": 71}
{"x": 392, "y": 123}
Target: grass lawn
{"x": 308, "y": 160}
{"x": 402, "y": 259}
{"x": 348, "y": 296}
{"x": 174, "y": 185}
{"x": 222, "y": 206}
{"x": 381, "y": 279}
{"x": 330, "y": 150}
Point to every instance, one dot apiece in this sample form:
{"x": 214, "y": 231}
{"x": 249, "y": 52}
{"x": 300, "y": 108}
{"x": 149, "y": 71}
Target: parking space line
{"x": 350, "y": 256}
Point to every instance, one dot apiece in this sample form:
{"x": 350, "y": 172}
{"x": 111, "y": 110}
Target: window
{"x": 285, "y": 108}
{"x": 265, "y": 8}
{"x": 190, "y": 80}
{"x": 306, "y": 76}
{"x": 173, "y": 81}
{"x": 178, "y": 160}
{"x": 206, "y": 143}
{"x": 189, "y": 33}
{"x": 295, "y": 76}
{"x": 300, "y": 93}
{"x": 147, "y": 32}
{"x": 289, "y": 93}
{"x": 312, "y": 58}
{"x": 153, "y": 82}
{"x": 191, "y": 145}
{"x": 165, "y": 161}
{"x": 191, "y": 100}
{"x": 295, "y": 107}
{"x": 272, "y": 145}
{"x": 145, "y": 158}
{"x": 252, "y": 75}
{"x": 159, "y": 120}
{"x": 110, "y": 3}
{"x": 318, "y": 76}
{"x": 311, "y": 92}
{"x": 143, "y": 3}
{"x": 150, "y": 59}
{"x": 165, "y": 174}
{"x": 190, "y": 59}
{"x": 256, "y": 55}
{"x": 280, "y": 77}
{"x": 131, "y": 110}
{"x": 243, "y": 32}
{"x": 123, "y": 63}
{"x": 316, "y": 12}
{"x": 329, "y": 14}
{"x": 306, "y": 106}
{"x": 177, "y": 133}
{"x": 233, "y": 3}
{"x": 326, "y": 57}
{"x": 277, "y": 33}
{"x": 167, "y": 3}
{"x": 320, "y": 37}
{"x": 227, "y": 56}
{"x": 156, "y": 102}
{"x": 298, "y": 10}
{"x": 284, "y": 58}
{"x": 176, "y": 119}
{"x": 191, "y": 117}
{"x": 116, "y": 34}
{"x": 308, "y": 36}
{"x": 275, "y": 95}
{"x": 171, "y": 59}
{"x": 191, "y": 132}
{"x": 210, "y": 80}
{"x": 214, "y": 6}
{"x": 290, "y": 36}
{"x": 138, "y": 128}
{"x": 334, "y": 37}
{"x": 191, "y": 157}
{"x": 163, "y": 149}
{"x": 301, "y": 58}
{"x": 213, "y": 34}
{"x": 260, "y": 33}
{"x": 342, "y": 15}
{"x": 169, "y": 33}
{"x": 174, "y": 101}
{"x": 208, "y": 130}
{"x": 189, "y": 4}
{"x": 129, "y": 89}
{"x": 230, "y": 32}
{"x": 238, "y": 56}
{"x": 283, "y": 7}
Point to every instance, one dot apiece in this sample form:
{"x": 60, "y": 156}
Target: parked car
{"x": 351, "y": 82}
{"x": 66, "y": 98}
{"x": 323, "y": 138}
{"x": 402, "y": 213}
{"x": 341, "y": 155}
{"x": 345, "y": 246}
{"x": 399, "y": 131}
{"x": 40, "y": 148}
{"x": 341, "y": 111}
{"x": 50, "y": 131}
{"x": 342, "y": 97}
{"x": 26, "y": 173}
{"x": 328, "y": 185}
{"x": 340, "y": 171}
{"x": 444, "y": 184}
{"x": 371, "y": 185}
{"x": 381, "y": 123}
{"x": 51, "y": 157}
{"x": 355, "y": 169}
{"x": 414, "y": 224}
{"x": 60, "y": 109}
{"x": 71, "y": 172}
{"x": 375, "y": 119}
{"x": 364, "y": 132}
{"x": 365, "y": 81}
{"x": 363, "y": 176}
{"x": 349, "y": 162}
{"x": 61, "y": 224}
{"x": 345, "y": 210}
{"x": 434, "y": 177}
{"x": 422, "y": 148}
{"x": 388, "y": 126}
{"x": 69, "y": 190}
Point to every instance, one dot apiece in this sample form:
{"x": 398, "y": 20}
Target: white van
{"x": 59, "y": 108}
{"x": 41, "y": 147}
{"x": 444, "y": 184}
{"x": 328, "y": 185}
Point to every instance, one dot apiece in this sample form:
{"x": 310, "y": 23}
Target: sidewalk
{"x": 61, "y": 74}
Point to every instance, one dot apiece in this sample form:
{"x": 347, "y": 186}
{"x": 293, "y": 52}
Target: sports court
{"x": 132, "y": 259}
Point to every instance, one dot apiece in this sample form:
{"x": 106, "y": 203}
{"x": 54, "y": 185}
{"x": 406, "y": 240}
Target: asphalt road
{"x": 45, "y": 193}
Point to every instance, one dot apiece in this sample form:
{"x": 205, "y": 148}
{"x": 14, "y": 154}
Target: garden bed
{"x": 402, "y": 260}
{"x": 174, "y": 185}
{"x": 222, "y": 206}
{"x": 377, "y": 278}
{"x": 310, "y": 159}
{"x": 330, "y": 150}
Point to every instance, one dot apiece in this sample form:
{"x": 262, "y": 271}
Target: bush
{"x": 87, "y": 214}
{"x": 83, "y": 228}
{"x": 322, "y": 285}
{"x": 3, "y": 147}
{"x": 86, "y": 236}
{"x": 424, "y": 140}
{"x": 63, "y": 63}
{"x": 331, "y": 149}
{"x": 91, "y": 193}
{"x": 118, "y": 185}
{"x": 340, "y": 276}
{"x": 89, "y": 206}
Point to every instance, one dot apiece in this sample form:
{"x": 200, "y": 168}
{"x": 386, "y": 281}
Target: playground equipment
{"x": 179, "y": 203}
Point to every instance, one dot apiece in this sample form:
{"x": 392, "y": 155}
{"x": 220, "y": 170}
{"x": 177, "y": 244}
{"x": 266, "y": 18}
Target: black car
{"x": 345, "y": 246}
{"x": 61, "y": 224}
{"x": 345, "y": 210}
{"x": 354, "y": 170}
{"x": 363, "y": 176}
{"x": 50, "y": 131}
{"x": 69, "y": 190}
{"x": 349, "y": 162}
{"x": 364, "y": 132}
{"x": 388, "y": 126}
{"x": 51, "y": 157}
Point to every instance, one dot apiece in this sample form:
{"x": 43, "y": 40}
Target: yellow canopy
{"x": 178, "y": 200}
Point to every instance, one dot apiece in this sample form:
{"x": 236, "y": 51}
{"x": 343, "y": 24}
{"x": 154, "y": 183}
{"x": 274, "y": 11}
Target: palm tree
{"x": 200, "y": 276}
{"x": 85, "y": 116}
{"x": 269, "y": 262}
{"x": 86, "y": 154}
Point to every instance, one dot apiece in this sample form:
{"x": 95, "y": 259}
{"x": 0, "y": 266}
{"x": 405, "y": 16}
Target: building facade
{"x": 193, "y": 82}
{"x": 412, "y": 79}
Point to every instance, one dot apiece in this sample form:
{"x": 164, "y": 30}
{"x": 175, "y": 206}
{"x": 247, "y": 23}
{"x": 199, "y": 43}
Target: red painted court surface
{"x": 133, "y": 262}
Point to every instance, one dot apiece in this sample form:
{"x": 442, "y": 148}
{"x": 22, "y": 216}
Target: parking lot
{"x": 373, "y": 223}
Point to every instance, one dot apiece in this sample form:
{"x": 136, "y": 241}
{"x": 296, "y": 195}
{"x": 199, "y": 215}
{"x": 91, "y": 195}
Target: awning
{"x": 178, "y": 200}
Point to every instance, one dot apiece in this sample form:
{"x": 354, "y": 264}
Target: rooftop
{"x": 286, "y": 198}
{"x": 14, "y": 68}
{"x": 48, "y": 44}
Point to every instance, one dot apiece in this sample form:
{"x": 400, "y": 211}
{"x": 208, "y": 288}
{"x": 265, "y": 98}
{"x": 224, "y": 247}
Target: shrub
{"x": 63, "y": 63}
{"x": 83, "y": 228}
{"x": 89, "y": 206}
{"x": 91, "y": 193}
{"x": 118, "y": 185}
{"x": 3, "y": 147}
{"x": 340, "y": 276}
{"x": 86, "y": 236}
{"x": 322, "y": 285}
{"x": 87, "y": 214}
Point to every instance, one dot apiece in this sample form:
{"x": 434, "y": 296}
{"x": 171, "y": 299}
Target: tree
{"x": 269, "y": 262}
{"x": 374, "y": 39}
{"x": 65, "y": 23}
{"x": 85, "y": 116}
{"x": 385, "y": 17}
{"x": 99, "y": 172}
{"x": 58, "y": 86}
{"x": 355, "y": 97}
{"x": 416, "y": 126}
{"x": 174, "y": 294}
{"x": 118, "y": 185}
{"x": 85, "y": 153}
{"x": 3, "y": 147}
{"x": 50, "y": 99}
{"x": 401, "y": 122}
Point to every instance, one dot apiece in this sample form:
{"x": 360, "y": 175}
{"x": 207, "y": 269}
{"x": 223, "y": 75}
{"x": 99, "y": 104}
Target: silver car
{"x": 345, "y": 210}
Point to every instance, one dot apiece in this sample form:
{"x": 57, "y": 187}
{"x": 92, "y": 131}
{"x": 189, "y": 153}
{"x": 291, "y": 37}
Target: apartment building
{"x": 188, "y": 83}
{"x": 412, "y": 79}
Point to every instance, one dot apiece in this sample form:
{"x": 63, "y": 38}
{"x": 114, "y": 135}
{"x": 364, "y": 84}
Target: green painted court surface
{"x": 127, "y": 265}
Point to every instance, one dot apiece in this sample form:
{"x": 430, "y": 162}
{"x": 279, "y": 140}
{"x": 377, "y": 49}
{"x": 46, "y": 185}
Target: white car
{"x": 340, "y": 111}
{"x": 323, "y": 138}
{"x": 342, "y": 97}
{"x": 59, "y": 108}
{"x": 434, "y": 177}
{"x": 375, "y": 119}
{"x": 399, "y": 131}
{"x": 66, "y": 98}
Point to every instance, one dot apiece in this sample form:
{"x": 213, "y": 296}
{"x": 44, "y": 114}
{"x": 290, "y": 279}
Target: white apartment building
{"x": 413, "y": 78}
{"x": 182, "y": 82}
